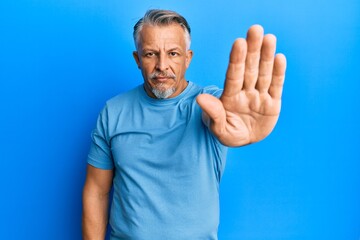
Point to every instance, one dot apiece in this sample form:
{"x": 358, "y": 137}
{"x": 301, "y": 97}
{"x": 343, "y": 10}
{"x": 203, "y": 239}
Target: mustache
{"x": 163, "y": 74}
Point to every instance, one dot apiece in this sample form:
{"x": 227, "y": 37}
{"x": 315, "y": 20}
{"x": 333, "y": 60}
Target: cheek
{"x": 147, "y": 65}
{"x": 187, "y": 63}
{"x": 180, "y": 66}
{"x": 146, "y": 70}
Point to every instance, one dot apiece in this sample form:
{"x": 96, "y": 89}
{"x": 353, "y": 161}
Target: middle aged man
{"x": 162, "y": 145}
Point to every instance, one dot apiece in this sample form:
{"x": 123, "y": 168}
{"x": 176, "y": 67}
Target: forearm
{"x": 95, "y": 215}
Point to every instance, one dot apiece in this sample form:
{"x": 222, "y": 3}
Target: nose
{"x": 162, "y": 63}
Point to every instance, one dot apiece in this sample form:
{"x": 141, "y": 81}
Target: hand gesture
{"x": 250, "y": 104}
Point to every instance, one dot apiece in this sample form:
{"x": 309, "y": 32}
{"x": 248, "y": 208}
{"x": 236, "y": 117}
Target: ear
{"x": 189, "y": 55}
{"x": 137, "y": 59}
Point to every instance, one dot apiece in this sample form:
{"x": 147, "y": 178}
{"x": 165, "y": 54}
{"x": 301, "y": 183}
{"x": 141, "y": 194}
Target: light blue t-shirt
{"x": 167, "y": 166}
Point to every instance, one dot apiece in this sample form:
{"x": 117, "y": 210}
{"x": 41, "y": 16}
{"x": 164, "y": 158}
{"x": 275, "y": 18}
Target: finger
{"x": 235, "y": 72}
{"x": 213, "y": 107}
{"x": 254, "y": 41}
{"x": 278, "y": 76}
{"x": 266, "y": 63}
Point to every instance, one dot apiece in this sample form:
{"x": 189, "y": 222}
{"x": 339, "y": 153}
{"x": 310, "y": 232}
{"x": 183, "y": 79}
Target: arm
{"x": 96, "y": 202}
{"x": 250, "y": 104}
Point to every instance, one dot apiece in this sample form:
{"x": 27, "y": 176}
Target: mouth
{"x": 161, "y": 79}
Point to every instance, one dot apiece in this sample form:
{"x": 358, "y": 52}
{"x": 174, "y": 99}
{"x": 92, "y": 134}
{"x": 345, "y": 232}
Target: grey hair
{"x": 157, "y": 17}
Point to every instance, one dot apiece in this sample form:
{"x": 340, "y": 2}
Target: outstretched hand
{"x": 250, "y": 104}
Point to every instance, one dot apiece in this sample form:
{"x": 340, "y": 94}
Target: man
{"x": 162, "y": 145}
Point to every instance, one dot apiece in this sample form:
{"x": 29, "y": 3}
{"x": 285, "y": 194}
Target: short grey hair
{"x": 157, "y": 17}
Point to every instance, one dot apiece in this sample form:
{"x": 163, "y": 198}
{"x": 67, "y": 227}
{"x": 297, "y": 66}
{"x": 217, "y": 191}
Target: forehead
{"x": 152, "y": 36}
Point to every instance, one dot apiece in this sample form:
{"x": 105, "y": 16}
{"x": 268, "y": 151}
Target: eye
{"x": 149, "y": 54}
{"x": 174, "y": 54}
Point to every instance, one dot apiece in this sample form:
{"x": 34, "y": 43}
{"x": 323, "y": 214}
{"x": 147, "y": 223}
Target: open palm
{"x": 250, "y": 104}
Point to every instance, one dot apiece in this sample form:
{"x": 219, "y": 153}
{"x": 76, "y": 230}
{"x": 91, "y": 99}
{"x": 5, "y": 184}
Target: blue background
{"x": 61, "y": 60}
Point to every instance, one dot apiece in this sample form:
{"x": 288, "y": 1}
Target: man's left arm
{"x": 249, "y": 107}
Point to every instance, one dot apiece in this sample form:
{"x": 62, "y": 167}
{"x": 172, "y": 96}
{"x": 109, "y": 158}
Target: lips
{"x": 162, "y": 76}
{"x": 161, "y": 79}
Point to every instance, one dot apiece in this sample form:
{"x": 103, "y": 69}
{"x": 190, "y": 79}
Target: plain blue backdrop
{"x": 61, "y": 60}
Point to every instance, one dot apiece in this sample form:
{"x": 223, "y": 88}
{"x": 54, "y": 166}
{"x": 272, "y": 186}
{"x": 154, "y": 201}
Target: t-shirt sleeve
{"x": 213, "y": 90}
{"x": 100, "y": 150}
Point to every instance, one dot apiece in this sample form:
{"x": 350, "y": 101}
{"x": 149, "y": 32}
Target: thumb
{"x": 214, "y": 110}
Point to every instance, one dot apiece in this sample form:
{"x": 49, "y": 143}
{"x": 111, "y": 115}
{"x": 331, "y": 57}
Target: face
{"x": 163, "y": 59}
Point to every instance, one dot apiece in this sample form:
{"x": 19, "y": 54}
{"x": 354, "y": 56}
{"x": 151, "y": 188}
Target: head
{"x": 162, "y": 40}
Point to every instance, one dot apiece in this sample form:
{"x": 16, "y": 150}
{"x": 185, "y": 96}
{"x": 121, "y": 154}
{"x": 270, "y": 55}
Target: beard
{"x": 162, "y": 93}
{"x": 159, "y": 90}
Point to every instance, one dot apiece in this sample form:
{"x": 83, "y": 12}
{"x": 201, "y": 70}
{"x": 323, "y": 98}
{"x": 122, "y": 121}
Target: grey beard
{"x": 163, "y": 94}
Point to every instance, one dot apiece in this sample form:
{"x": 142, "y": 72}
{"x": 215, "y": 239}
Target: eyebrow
{"x": 153, "y": 50}
{"x": 175, "y": 48}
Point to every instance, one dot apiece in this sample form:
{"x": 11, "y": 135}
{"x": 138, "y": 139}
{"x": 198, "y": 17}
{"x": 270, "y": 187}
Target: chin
{"x": 163, "y": 93}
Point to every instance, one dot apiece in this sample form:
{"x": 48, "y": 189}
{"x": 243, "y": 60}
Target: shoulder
{"x": 124, "y": 97}
{"x": 212, "y": 90}
{"x": 119, "y": 103}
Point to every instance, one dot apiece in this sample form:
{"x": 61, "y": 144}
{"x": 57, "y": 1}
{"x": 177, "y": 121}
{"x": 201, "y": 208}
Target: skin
{"x": 96, "y": 203}
{"x": 163, "y": 49}
{"x": 246, "y": 112}
{"x": 250, "y": 105}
